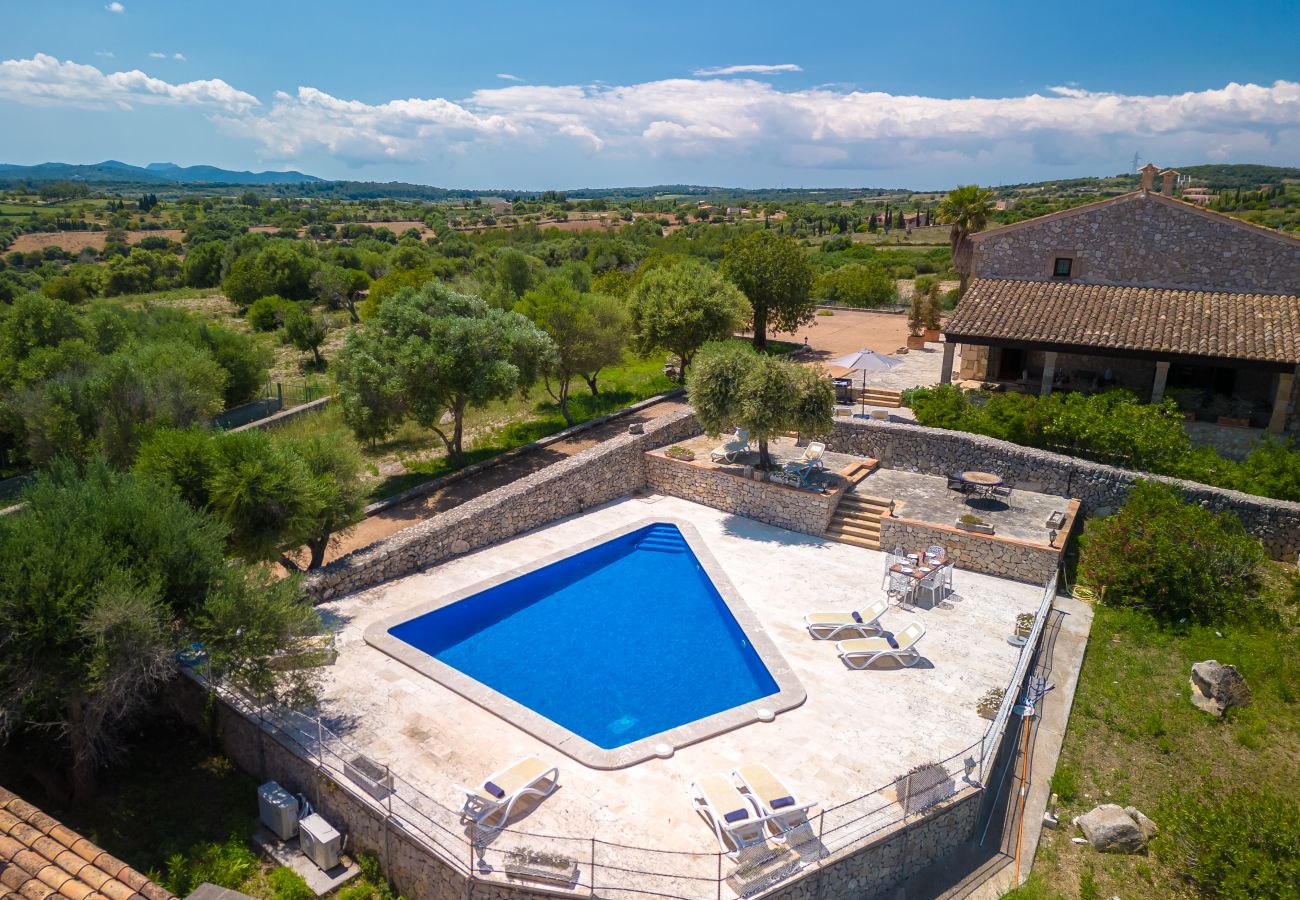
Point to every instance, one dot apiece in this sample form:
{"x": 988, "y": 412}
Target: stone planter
{"x": 982, "y": 528}
{"x": 916, "y": 342}
{"x": 525, "y": 863}
{"x": 1232, "y": 422}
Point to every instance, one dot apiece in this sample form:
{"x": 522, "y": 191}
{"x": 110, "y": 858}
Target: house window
{"x": 1061, "y": 268}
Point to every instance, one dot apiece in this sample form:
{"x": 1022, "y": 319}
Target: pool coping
{"x": 790, "y": 693}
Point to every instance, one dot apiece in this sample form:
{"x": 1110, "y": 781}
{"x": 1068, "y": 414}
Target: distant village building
{"x": 501, "y": 207}
{"x": 1004, "y": 205}
{"x": 1140, "y": 291}
{"x": 1198, "y": 195}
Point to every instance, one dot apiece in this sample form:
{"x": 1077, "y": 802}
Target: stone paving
{"x": 855, "y": 733}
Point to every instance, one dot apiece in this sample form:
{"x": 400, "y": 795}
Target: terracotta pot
{"x": 932, "y": 335}
{"x": 916, "y": 342}
{"x": 1232, "y": 422}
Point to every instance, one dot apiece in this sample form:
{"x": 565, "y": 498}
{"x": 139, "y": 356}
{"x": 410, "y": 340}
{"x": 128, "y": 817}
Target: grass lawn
{"x": 1135, "y": 738}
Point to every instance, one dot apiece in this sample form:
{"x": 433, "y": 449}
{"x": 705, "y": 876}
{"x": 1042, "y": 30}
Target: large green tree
{"x": 589, "y": 332}
{"x": 683, "y": 306}
{"x": 103, "y": 576}
{"x": 774, "y": 273}
{"x": 733, "y": 386}
{"x": 429, "y": 351}
{"x": 967, "y": 210}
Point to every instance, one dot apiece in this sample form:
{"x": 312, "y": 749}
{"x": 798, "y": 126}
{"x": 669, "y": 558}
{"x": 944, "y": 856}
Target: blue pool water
{"x": 616, "y": 643}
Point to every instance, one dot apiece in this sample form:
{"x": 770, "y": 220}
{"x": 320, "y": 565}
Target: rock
{"x": 459, "y": 546}
{"x": 1216, "y": 688}
{"x": 1145, "y": 825}
{"x": 1111, "y": 830}
{"x": 636, "y": 428}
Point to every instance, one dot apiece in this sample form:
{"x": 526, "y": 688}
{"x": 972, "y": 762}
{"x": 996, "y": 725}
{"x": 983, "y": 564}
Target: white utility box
{"x": 319, "y": 841}
{"x": 278, "y": 810}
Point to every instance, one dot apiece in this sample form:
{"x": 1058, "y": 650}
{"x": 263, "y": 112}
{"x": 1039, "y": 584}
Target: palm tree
{"x": 967, "y": 210}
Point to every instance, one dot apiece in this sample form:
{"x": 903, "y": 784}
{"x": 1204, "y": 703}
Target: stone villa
{"x": 1141, "y": 291}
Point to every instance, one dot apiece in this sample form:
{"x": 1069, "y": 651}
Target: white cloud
{"x": 107, "y": 54}
{"x": 747, "y": 70}
{"x": 506, "y": 76}
{"x": 179, "y": 57}
{"x": 156, "y": 55}
{"x": 46, "y": 81}
{"x": 115, "y": 7}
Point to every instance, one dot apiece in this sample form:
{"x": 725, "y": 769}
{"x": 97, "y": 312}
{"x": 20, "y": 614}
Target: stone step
{"x": 855, "y": 541}
{"x": 854, "y": 529}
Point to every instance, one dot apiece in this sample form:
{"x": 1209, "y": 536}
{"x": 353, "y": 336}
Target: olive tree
{"x": 733, "y": 386}
{"x": 682, "y": 307}
{"x": 774, "y": 273}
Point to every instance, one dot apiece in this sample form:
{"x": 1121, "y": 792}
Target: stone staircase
{"x": 857, "y": 520}
{"x": 880, "y": 398}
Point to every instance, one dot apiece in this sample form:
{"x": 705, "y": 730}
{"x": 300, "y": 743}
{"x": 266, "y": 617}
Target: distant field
{"x": 76, "y": 241}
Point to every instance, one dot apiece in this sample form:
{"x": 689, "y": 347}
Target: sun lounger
{"x": 811, "y": 459}
{"x": 776, "y": 800}
{"x": 732, "y": 449}
{"x": 505, "y": 788}
{"x": 736, "y": 819}
{"x": 829, "y": 626}
{"x": 859, "y": 653}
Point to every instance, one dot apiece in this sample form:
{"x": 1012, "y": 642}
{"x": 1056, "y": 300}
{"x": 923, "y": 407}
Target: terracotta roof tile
{"x": 40, "y": 859}
{"x": 1216, "y": 324}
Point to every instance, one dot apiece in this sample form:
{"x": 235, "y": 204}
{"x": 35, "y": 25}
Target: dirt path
{"x": 395, "y": 518}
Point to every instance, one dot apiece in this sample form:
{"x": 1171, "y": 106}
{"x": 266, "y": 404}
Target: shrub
{"x": 226, "y": 865}
{"x": 287, "y": 884}
{"x": 268, "y": 313}
{"x": 1245, "y": 844}
{"x": 1173, "y": 559}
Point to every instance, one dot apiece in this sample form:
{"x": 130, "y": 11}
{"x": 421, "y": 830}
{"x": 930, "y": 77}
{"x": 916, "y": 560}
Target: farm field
{"x": 76, "y": 241}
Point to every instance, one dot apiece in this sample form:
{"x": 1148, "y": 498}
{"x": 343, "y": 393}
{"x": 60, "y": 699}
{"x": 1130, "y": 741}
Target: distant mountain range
{"x": 154, "y": 173}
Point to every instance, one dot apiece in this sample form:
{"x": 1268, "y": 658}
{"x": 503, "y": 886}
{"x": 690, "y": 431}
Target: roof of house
{"x": 1173, "y": 202}
{"x": 40, "y": 858}
{"x": 1254, "y": 327}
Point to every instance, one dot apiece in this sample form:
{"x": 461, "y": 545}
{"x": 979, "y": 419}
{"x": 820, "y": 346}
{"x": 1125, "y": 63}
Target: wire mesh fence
{"x": 588, "y": 865}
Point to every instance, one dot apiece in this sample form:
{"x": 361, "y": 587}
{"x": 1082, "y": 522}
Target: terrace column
{"x": 1277, "y": 421}
{"x": 1049, "y": 372}
{"x": 1158, "y": 386}
{"x": 949, "y": 350}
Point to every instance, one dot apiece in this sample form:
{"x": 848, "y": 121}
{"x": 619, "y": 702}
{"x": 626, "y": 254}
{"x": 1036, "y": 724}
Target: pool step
{"x": 857, "y": 520}
{"x": 662, "y": 543}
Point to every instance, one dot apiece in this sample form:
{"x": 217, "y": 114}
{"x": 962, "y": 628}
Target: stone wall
{"x": 1101, "y": 489}
{"x": 1146, "y": 240}
{"x": 611, "y": 469}
{"x": 878, "y": 868}
{"x": 775, "y": 504}
{"x": 988, "y": 554}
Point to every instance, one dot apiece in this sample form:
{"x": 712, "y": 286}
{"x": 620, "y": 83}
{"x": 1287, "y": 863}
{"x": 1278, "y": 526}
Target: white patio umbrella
{"x": 865, "y": 361}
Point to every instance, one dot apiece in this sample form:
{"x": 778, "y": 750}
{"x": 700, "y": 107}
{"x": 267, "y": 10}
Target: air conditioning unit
{"x": 278, "y": 810}
{"x": 319, "y": 841}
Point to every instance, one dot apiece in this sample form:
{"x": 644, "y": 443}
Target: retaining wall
{"x": 775, "y": 504}
{"x": 1101, "y": 489}
{"x": 611, "y": 469}
{"x": 989, "y": 554}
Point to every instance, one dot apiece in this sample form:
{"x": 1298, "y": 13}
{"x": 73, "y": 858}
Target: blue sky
{"x": 537, "y": 95}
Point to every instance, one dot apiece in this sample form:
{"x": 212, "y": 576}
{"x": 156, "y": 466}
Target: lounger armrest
{"x": 476, "y": 794}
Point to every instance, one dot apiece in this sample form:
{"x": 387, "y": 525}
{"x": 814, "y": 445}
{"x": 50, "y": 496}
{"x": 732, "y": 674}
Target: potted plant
{"x": 1188, "y": 400}
{"x": 916, "y": 323}
{"x": 990, "y": 703}
{"x": 974, "y": 524}
{"x": 677, "y": 451}
{"x": 524, "y": 862}
{"x": 1239, "y": 410}
{"x": 927, "y": 287}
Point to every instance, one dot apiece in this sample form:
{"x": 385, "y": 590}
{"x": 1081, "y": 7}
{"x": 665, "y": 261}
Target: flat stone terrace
{"x": 856, "y": 732}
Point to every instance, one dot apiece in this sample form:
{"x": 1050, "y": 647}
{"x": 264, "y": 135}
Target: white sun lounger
{"x": 829, "y": 626}
{"x": 736, "y": 820}
{"x": 811, "y": 459}
{"x": 858, "y": 653}
{"x": 500, "y": 792}
{"x": 732, "y": 449}
{"x": 778, "y": 802}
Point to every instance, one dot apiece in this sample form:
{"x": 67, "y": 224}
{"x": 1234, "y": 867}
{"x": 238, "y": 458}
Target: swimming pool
{"x": 616, "y": 643}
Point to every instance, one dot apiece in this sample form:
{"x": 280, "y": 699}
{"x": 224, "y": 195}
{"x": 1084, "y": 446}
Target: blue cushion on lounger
{"x": 737, "y": 815}
{"x": 889, "y": 636}
{"x": 857, "y": 616}
{"x": 780, "y": 802}
{"x": 493, "y": 790}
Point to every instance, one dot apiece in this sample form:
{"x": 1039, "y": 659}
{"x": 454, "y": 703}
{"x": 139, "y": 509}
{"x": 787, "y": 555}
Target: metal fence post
{"x": 719, "y": 876}
{"x": 593, "y": 865}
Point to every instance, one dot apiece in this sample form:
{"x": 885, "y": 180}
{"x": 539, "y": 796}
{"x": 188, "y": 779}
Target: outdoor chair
{"x": 505, "y": 788}
{"x": 811, "y": 459}
{"x": 900, "y": 588}
{"x": 932, "y": 584}
{"x": 956, "y": 484}
{"x": 733, "y": 449}
{"x": 828, "y": 626}
{"x": 783, "y": 808}
{"x": 736, "y": 819}
{"x": 859, "y": 653}
{"x": 892, "y": 558}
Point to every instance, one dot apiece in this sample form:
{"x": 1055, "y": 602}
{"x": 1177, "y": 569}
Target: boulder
{"x": 1111, "y": 830}
{"x": 1145, "y": 825}
{"x": 1216, "y": 688}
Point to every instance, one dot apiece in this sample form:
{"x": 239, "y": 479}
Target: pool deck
{"x": 856, "y": 732}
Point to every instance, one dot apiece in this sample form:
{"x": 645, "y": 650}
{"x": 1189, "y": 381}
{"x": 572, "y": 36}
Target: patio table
{"x": 980, "y": 483}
